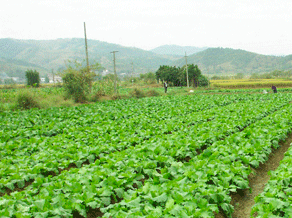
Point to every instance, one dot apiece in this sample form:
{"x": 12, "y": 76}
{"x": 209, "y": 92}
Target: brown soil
{"x": 243, "y": 200}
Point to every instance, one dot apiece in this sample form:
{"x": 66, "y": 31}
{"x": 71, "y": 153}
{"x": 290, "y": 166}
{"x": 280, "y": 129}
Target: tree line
{"x": 177, "y": 76}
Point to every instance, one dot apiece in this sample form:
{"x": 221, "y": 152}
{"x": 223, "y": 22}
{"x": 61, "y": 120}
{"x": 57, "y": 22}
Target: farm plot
{"x": 23, "y": 158}
{"x": 183, "y": 151}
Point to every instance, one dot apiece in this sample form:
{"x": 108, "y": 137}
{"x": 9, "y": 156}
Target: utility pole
{"x": 187, "y": 70}
{"x": 53, "y": 76}
{"x": 132, "y": 72}
{"x": 86, "y": 50}
{"x": 115, "y": 81}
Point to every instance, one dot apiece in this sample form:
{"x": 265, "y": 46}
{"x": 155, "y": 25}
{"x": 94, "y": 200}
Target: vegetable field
{"x": 169, "y": 156}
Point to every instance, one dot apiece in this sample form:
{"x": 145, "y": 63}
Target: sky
{"x": 261, "y": 26}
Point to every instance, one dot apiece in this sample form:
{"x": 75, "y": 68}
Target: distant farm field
{"x": 250, "y": 83}
{"x": 166, "y": 156}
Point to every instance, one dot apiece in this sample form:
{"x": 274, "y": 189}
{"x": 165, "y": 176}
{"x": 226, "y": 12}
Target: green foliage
{"x": 169, "y": 74}
{"x": 149, "y": 78}
{"x": 152, "y": 92}
{"x": 27, "y": 100}
{"x": 195, "y": 76}
{"x": 203, "y": 81}
{"x": 239, "y": 76}
{"x": 141, "y": 144}
{"x": 276, "y": 74}
{"x": 177, "y": 76}
{"x": 77, "y": 80}
{"x": 33, "y": 78}
{"x": 47, "y": 80}
{"x": 137, "y": 93}
{"x": 226, "y": 61}
{"x": 103, "y": 87}
{"x": 9, "y": 82}
{"x": 51, "y": 54}
{"x": 2, "y": 108}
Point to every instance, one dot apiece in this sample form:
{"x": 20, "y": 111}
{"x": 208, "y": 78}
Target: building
{"x": 55, "y": 78}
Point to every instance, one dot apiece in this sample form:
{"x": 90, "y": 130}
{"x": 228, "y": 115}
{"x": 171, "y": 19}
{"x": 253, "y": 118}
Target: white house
{"x": 55, "y": 79}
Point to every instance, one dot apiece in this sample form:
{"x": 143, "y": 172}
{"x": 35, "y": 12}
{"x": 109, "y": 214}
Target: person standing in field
{"x": 274, "y": 88}
{"x": 165, "y": 86}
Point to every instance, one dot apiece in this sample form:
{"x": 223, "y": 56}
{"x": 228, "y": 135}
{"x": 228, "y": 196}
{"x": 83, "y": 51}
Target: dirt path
{"x": 244, "y": 200}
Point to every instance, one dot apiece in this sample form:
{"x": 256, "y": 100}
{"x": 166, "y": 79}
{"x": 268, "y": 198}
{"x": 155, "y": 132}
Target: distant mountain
{"x": 16, "y": 56}
{"x": 177, "y": 50}
{"x": 16, "y": 68}
{"x": 48, "y": 55}
{"x": 228, "y": 61}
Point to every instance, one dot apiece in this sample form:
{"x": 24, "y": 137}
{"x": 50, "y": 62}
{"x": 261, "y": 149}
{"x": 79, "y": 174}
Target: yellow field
{"x": 250, "y": 83}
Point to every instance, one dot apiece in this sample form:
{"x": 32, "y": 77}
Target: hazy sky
{"x": 261, "y": 26}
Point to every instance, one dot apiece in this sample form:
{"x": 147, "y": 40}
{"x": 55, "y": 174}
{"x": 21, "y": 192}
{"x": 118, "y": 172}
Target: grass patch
{"x": 137, "y": 93}
{"x": 152, "y": 92}
{"x": 27, "y": 100}
{"x": 56, "y": 101}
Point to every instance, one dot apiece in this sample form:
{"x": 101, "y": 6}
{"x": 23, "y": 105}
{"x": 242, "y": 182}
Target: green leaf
{"x": 106, "y": 200}
{"x": 93, "y": 204}
{"x": 119, "y": 192}
{"x": 227, "y": 208}
{"x": 169, "y": 204}
{"x": 175, "y": 211}
{"x": 161, "y": 198}
{"x": 20, "y": 183}
{"x": 10, "y": 186}
{"x": 40, "y": 204}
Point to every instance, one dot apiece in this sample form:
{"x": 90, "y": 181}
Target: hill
{"x": 47, "y": 55}
{"x": 176, "y": 50}
{"x": 226, "y": 61}
{"x": 16, "y": 56}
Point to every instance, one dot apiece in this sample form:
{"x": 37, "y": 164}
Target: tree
{"x": 177, "y": 76}
{"x": 33, "y": 78}
{"x": 169, "y": 74}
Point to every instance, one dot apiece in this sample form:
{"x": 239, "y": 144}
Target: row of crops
{"x": 172, "y": 156}
{"x": 276, "y": 200}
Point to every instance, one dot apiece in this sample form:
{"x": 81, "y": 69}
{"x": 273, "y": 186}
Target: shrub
{"x": 118, "y": 96}
{"x": 56, "y": 101}
{"x": 152, "y": 92}
{"x": 96, "y": 96}
{"x": 75, "y": 86}
{"x": 137, "y": 93}
{"x": 77, "y": 81}
{"x": 2, "y": 109}
{"x": 27, "y": 100}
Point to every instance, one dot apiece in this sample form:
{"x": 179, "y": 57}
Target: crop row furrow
{"x": 84, "y": 147}
{"x": 202, "y": 186}
{"x": 28, "y": 168}
{"x": 59, "y": 121}
{"x": 21, "y": 168}
{"x": 119, "y": 170}
{"x": 275, "y": 200}
{"x": 40, "y": 124}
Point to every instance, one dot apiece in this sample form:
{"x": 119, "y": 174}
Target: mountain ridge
{"x": 46, "y": 55}
{"x": 177, "y": 50}
{"x": 229, "y": 61}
